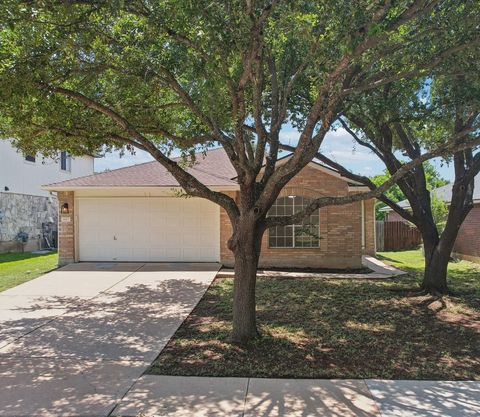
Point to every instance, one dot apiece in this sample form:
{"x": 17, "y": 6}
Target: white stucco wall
{"x": 23, "y": 177}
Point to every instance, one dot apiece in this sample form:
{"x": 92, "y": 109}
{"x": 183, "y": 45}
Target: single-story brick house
{"x": 137, "y": 214}
{"x": 467, "y": 244}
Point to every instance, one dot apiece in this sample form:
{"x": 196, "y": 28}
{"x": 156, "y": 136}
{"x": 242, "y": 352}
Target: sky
{"x": 338, "y": 145}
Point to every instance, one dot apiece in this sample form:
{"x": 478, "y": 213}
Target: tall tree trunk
{"x": 439, "y": 249}
{"x": 435, "y": 275}
{"x": 246, "y": 248}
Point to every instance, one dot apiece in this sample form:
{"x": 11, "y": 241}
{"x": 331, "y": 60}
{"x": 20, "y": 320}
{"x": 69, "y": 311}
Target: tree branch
{"x": 401, "y": 172}
{"x": 378, "y": 81}
{"x": 358, "y": 140}
{"x": 360, "y": 179}
{"x": 187, "y": 181}
{"x": 326, "y": 105}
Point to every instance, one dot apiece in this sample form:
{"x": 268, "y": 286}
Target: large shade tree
{"x": 157, "y": 75}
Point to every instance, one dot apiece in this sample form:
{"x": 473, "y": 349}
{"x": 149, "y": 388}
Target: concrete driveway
{"x": 74, "y": 341}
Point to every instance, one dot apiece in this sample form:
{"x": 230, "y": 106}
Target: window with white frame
{"x": 65, "y": 161}
{"x": 303, "y": 235}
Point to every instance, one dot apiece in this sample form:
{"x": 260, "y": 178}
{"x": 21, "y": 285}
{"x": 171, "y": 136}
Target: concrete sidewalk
{"x": 176, "y": 396}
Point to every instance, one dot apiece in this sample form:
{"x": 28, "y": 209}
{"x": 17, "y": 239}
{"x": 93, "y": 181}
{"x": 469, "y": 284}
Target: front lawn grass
{"x": 319, "y": 328}
{"x": 17, "y": 268}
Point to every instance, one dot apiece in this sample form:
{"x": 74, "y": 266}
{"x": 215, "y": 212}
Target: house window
{"x": 303, "y": 235}
{"x": 30, "y": 158}
{"x": 65, "y": 161}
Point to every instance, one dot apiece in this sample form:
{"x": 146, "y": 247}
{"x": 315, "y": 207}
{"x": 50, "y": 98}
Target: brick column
{"x": 66, "y": 229}
{"x": 369, "y": 227}
{"x": 226, "y": 256}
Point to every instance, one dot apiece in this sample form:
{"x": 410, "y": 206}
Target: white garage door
{"x": 148, "y": 229}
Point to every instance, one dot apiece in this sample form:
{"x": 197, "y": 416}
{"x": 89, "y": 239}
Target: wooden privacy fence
{"x": 396, "y": 236}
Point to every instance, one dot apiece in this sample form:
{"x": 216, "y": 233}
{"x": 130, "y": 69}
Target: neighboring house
{"x": 467, "y": 245}
{"x": 393, "y": 216}
{"x": 136, "y": 214}
{"x": 26, "y": 209}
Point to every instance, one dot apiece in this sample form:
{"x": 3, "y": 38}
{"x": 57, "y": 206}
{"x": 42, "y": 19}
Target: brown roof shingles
{"x": 212, "y": 169}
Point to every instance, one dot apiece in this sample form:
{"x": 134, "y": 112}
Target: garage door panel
{"x": 140, "y": 254}
{"x": 93, "y": 236}
{"x": 123, "y": 254}
{"x": 207, "y": 252}
{"x": 170, "y": 237}
{"x": 97, "y": 252}
{"x": 173, "y": 254}
{"x": 123, "y": 237}
{"x": 150, "y": 229}
{"x": 192, "y": 253}
{"x": 156, "y": 253}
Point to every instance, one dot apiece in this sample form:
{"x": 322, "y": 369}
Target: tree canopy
{"x": 157, "y": 75}
{"x": 184, "y": 73}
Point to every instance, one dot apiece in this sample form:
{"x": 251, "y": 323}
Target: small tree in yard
{"x": 158, "y": 75}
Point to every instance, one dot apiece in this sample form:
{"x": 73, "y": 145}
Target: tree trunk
{"x": 439, "y": 248}
{"x": 435, "y": 276}
{"x": 437, "y": 256}
{"x": 246, "y": 249}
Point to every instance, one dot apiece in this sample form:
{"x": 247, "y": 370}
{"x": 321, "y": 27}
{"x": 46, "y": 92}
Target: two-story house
{"x": 28, "y": 214}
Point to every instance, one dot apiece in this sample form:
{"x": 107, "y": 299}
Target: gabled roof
{"x": 212, "y": 168}
{"x": 315, "y": 163}
{"x": 443, "y": 193}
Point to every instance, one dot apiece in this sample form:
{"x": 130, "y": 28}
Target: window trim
{"x": 294, "y": 226}
{"x": 29, "y": 161}
{"x": 68, "y": 162}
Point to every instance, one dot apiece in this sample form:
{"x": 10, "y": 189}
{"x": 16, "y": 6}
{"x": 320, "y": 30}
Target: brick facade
{"x": 66, "y": 228}
{"x": 467, "y": 245}
{"x": 340, "y": 228}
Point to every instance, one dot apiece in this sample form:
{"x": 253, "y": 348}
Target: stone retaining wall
{"x": 25, "y": 213}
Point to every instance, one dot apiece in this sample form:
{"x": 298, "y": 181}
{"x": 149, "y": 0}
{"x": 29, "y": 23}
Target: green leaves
{"x": 433, "y": 179}
{"x": 125, "y": 54}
